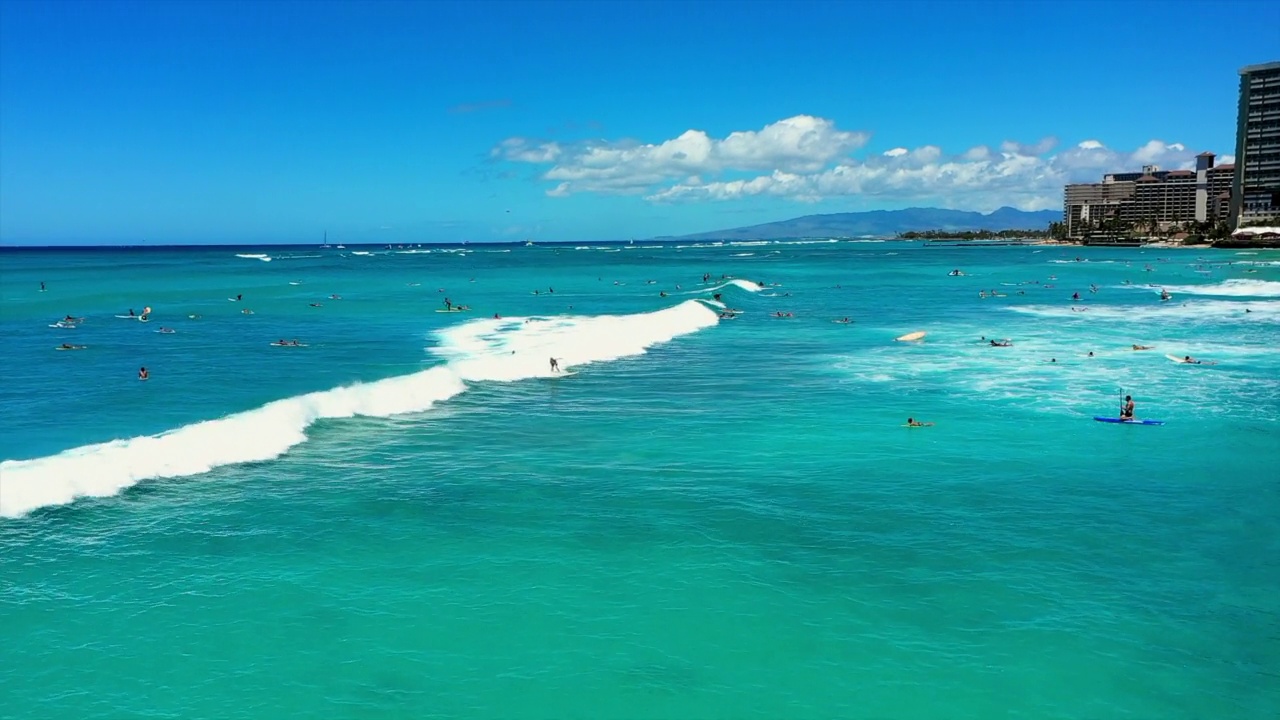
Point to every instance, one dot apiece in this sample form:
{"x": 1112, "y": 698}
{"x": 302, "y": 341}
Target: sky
{"x": 397, "y": 122}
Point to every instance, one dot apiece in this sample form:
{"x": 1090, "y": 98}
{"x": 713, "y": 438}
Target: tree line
{"x": 973, "y": 234}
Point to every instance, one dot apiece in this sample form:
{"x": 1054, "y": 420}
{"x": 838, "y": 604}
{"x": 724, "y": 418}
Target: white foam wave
{"x": 254, "y": 256}
{"x": 1197, "y": 311}
{"x": 479, "y": 350}
{"x": 1231, "y": 288}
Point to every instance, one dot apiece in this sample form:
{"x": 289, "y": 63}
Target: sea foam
{"x": 1231, "y": 288}
{"x": 477, "y": 351}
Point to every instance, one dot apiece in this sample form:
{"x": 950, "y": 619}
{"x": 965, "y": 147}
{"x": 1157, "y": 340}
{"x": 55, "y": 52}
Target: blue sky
{"x": 189, "y": 122}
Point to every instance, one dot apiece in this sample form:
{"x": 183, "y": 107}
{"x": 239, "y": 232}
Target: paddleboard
{"x": 70, "y": 348}
{"x": 450, "y": 311}
{"x": 911, "y": 336}
{"x": 1128, "y": 422}
{"x": 276, "y": 344}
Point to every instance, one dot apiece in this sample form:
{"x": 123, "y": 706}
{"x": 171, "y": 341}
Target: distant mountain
{"x": 886, "y": 223}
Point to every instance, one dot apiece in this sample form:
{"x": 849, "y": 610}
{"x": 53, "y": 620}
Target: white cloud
{"x": 800, "y": 144}
{"x": 807, "y": 159}
{"x": 1155, "y": 150}
{"x": 522, "y": 150}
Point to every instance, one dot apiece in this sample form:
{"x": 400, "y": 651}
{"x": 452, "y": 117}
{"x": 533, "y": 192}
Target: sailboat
{"x": 326, "y": 239}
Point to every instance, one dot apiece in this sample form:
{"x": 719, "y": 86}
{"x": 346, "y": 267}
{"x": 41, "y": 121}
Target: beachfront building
{"x": 1152, "y": 199}
{"x": 1256, "y": 185}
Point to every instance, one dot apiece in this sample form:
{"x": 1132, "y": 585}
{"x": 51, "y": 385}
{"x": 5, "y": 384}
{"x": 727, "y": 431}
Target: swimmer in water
{"x": 912, "y": 422}
{"x": 143, "y": 374}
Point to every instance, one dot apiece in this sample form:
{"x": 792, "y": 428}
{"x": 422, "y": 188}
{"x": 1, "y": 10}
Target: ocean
{"x": 410, "y": 514}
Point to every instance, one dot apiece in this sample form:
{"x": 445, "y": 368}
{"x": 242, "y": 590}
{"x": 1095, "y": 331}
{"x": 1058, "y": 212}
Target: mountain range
{"x": 886, "y": 223}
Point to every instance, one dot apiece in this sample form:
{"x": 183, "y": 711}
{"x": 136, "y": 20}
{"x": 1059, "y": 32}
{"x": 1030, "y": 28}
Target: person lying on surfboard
{"x": 1144, "y": 347}
{"x": 912, "y": 422}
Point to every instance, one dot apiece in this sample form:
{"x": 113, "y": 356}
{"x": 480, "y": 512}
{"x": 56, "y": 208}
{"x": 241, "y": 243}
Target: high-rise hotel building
{"x": 1255, "y": 192}
{"x": 1169, "y": 198}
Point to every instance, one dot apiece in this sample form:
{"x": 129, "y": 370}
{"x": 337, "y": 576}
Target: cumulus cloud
{"x": 800, "y": 144}
{"x": 808, "y": 159}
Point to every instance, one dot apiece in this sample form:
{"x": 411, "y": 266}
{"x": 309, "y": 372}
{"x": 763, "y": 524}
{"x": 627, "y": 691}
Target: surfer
{"x": 1002, "y": 343}
{"x": 143, "y": 374}
{"x": 238, "y": 297}
{"x": 41, "y": 286}
{"x": 131, "y": 313}
{"x": 1144, "y": 347}
{"x": 1075, "y": 296}
{"x": 1126, "y": 411}
{"x": 912, "y": 422}
{"x": 448, "y": 304}
{"x": 555, "y": 365}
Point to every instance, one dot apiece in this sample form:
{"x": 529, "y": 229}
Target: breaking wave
{"x": 503, "y": 350}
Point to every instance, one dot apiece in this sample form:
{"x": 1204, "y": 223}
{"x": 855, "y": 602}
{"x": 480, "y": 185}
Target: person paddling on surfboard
{"x": 1126, "y": 411}
{"x": 912, "y": 422}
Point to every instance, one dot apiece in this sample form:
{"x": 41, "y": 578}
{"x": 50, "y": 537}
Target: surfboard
{"x": 1128, "y": 422}
{"x": 78, "y": 347}
{"x": 127, "y": 317}
{"x": 64, "y": 326}
{"x": 1174, "y": 358}
{"x": 276, "y": 344}
{"x": 911, "y": 336}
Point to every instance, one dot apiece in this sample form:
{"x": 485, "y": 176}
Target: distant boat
{"x": 326, "y": 239}
{"x": 528, "y": 243}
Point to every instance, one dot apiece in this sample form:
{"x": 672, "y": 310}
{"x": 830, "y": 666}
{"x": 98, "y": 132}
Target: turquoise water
{"x": 412, "y": 516}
